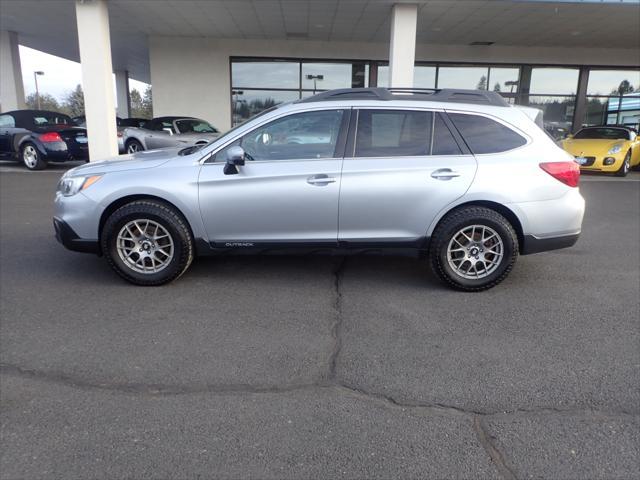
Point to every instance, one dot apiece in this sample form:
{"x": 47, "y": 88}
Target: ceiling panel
{"x": 53, "y": 29}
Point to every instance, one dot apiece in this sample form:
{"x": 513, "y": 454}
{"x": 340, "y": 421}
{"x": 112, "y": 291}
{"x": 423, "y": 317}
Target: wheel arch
{"x": 28, "y": 138}
{"x": 120, "y": 202}
{"x": 506, "y": 212}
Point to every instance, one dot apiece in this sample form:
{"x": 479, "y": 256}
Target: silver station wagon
{"x": 458, "y": 178}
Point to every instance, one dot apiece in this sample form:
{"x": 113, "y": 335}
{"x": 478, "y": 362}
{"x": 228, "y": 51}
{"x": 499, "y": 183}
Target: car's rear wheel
{"x": 626, "y": 165}
{"x": 473, "y": 249}
{"x": 133, "y": 146}
{"x": 31, "y": 157}
{"x": 147, "y": 243}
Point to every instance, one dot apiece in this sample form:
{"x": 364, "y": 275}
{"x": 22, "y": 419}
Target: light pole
{"x": 511, "y": 83}
{"x": 315, "y": 78}
{"x": 35, "y": 77}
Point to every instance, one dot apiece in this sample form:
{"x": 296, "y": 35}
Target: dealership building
{"x": 224, "y": 61}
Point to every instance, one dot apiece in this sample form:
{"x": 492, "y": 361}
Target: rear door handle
{"x": 445, "y": 174}
{"x": 320, "y": 179}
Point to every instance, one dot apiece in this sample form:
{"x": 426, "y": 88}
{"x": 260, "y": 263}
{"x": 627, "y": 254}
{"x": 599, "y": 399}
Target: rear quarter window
{"x": 484, "y": 135}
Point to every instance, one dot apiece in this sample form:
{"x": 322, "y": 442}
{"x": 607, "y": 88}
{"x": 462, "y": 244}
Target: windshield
{"x": 46, "y": 119}
{"x": 189, "y": 125}
{"x": 602, "y": 133}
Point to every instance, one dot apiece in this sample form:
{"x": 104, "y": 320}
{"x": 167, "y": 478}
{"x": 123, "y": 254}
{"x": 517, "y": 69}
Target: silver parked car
{"x": 460, "y": 177}
{"x": 165, "y": 132}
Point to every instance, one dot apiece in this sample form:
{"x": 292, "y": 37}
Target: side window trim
{"x": 341, "y": 142}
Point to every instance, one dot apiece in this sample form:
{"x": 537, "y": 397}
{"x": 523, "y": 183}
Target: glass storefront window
{"x": 613, "y": 82}
{"x": 558, "y": 113}
{"x": 268, "y": 74}
{"x": 424, "y": 76}
{"x": 247, "y": 103}
{"x": 334, "y": 75}
{"x": 463, "y": 77}
{"x": 504, "y": 80}
{"x": 550, "y": 81}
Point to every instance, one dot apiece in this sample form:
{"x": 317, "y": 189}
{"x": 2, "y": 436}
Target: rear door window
{"x": 484, "y": 135}
{"x": 393, "y": 133}
{"x": 443, "y": 141}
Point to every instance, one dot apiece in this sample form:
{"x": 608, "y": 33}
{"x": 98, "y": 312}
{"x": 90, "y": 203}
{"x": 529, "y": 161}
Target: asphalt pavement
{"x": 319, "y": 367}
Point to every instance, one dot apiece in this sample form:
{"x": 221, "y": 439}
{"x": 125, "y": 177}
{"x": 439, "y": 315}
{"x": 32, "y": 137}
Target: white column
{"x": 122, "y": 93}
{"x": 97, "y": 77}
{"x": 402, "y": 47}
{"x": 11, "y": 86}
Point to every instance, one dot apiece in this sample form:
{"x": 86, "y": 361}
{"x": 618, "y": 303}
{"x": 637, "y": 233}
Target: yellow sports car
{"x": 605, "y": 149}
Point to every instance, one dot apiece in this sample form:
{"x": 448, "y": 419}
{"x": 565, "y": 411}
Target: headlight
{"x": 615, "y": 149}
{"x": 69, "y": 186}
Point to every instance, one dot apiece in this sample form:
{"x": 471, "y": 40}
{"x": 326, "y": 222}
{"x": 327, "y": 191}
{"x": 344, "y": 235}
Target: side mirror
{"x": 235, "y": 158}
{"x": 168, "y": 130}
{"x": 568, "y": 135}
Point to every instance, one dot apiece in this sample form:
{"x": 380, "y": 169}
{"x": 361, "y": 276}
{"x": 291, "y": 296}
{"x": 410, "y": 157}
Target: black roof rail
{"x": 482, "y": 97}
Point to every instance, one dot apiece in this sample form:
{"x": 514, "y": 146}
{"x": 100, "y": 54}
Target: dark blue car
{"x": 36, "y": 137}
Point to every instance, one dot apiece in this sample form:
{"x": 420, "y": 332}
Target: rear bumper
{"x": 531, "y": 244}
{"x": 69, "y": 238}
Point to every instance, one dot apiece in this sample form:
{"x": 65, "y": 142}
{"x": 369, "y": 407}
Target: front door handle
{"x": 445, "y": 174}
{"x": 320, "y": 179}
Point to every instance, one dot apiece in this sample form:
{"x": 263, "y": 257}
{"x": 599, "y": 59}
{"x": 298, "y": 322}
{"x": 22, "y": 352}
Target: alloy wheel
{"x": 145, "y": 246}
{"x": 475, "y": 252}
{"x": 30, "y": 156}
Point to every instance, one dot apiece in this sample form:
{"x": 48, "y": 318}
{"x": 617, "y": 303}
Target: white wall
{"x": 191, "y": 76}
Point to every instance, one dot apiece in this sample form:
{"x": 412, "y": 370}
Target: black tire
{"x": 133, "y": 146}
{"x": 626, "y": 166}
{"x": 31, "y": 157}
{"x": 169, "y": 219}
{"x": 449, "y": 228}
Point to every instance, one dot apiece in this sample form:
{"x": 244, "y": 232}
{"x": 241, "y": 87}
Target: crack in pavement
{"x": 329, "y": 380}
{"x": 497, "y": 458}
{"x": 336, "y": 329}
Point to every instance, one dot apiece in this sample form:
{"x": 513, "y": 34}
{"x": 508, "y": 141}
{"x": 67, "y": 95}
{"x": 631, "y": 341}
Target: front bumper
{"x": 70, "y": 239}
{"x": 597, "y": 164}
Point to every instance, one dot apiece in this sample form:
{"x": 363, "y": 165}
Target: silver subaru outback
{"x": 457, "y": 177}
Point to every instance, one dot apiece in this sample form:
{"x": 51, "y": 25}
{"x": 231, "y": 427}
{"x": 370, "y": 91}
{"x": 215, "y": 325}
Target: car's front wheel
{"x": 31, "y": 157}
{"x": 626, "y": 165}
{"x": 147, "y": 243}
{"x": 473, "y": 248}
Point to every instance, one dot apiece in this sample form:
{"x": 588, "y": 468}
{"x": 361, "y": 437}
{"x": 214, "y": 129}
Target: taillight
{"x": 566, "y": 172}
{"x": 120, "y": 135}
{"x": 50, "y": 137}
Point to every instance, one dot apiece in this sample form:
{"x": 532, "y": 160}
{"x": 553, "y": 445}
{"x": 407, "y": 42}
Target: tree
{"x": 136, "y": 103}
{"x": 147, "y": 103}
{"x": 496, "y": 87}
{"x": 624, "y": 87}
{"x": 47, "y": 102}
{"x": 482, "y": 84}
{"x": 141, "y": 107}
{"x": 73, "y": 103}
